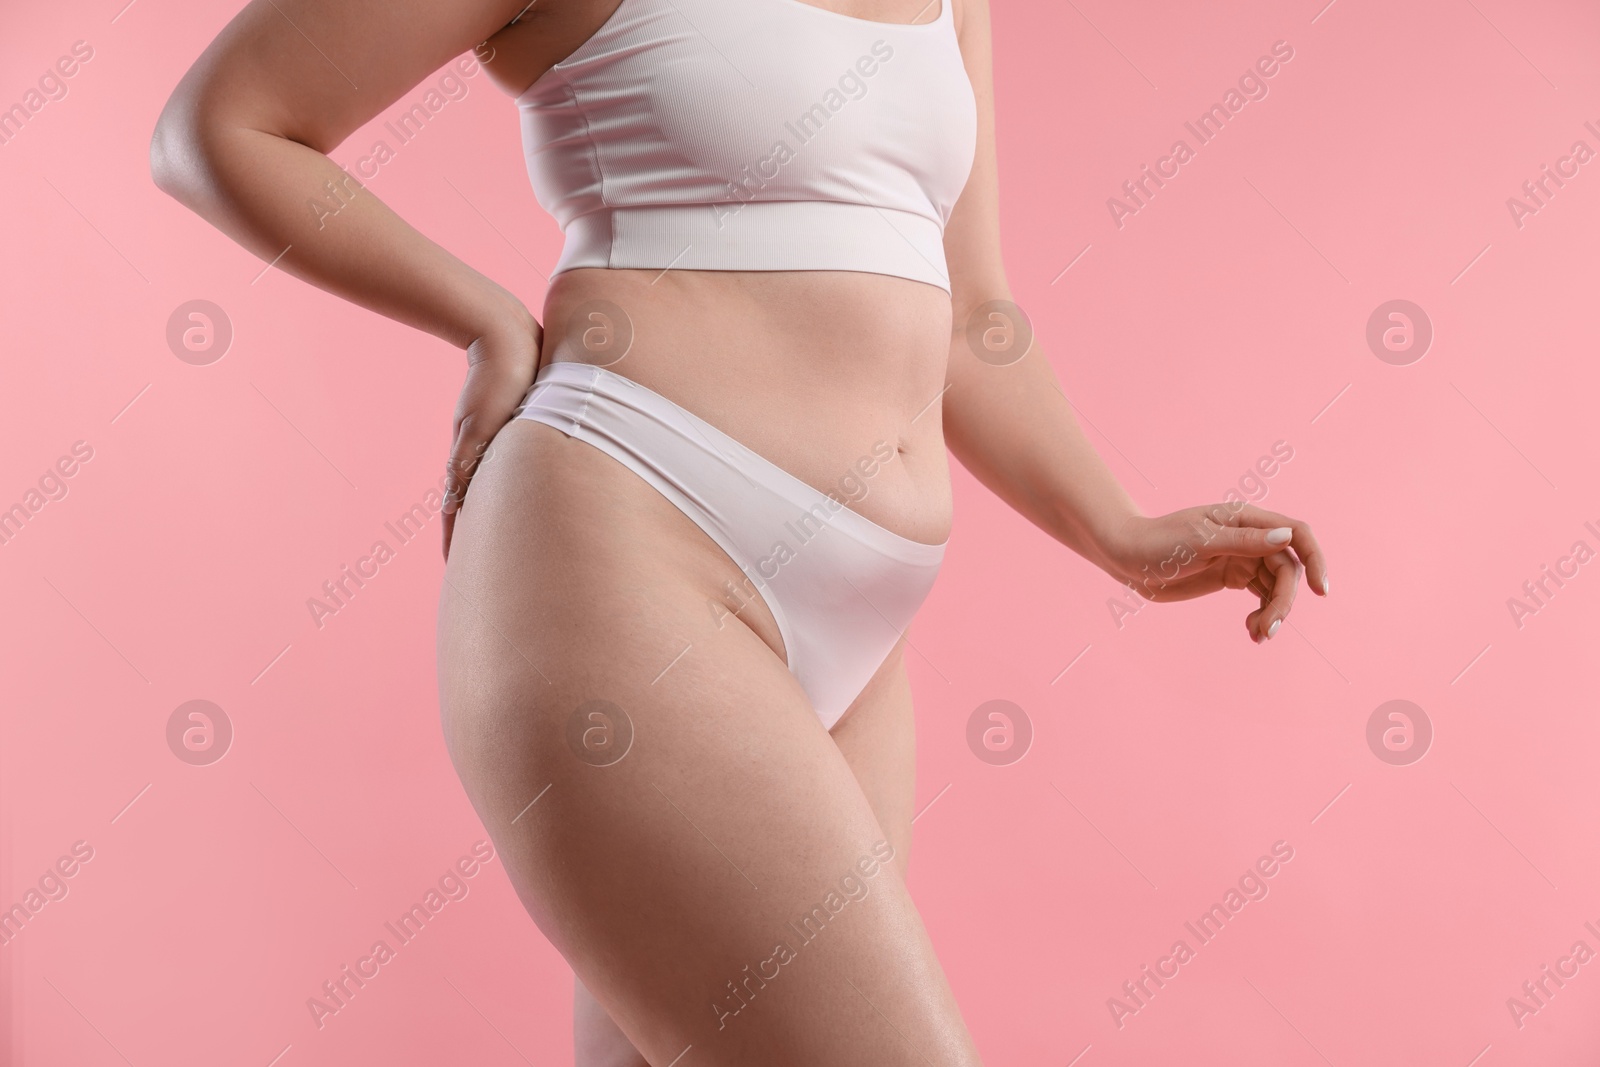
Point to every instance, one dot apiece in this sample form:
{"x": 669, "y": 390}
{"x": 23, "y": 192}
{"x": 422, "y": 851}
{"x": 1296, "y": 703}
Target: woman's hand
{"x": 501, "y": 366}
{"x": 1199, "y": 550}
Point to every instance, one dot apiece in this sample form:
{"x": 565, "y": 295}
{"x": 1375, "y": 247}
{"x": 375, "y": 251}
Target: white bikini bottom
{"x": 841, "y": 588}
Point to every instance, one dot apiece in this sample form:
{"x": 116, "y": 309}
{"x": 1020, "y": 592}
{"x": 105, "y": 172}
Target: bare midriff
{"x": 820, "y": 372}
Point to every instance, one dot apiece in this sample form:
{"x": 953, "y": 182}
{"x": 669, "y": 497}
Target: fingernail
{"x": 1324, "y": 583}
{"x": 1279, "y": 536}
{"x": 1273, "y": 629}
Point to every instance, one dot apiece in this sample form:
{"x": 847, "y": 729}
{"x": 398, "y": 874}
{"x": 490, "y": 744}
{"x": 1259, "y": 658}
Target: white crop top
{"x": 753, "y": 135}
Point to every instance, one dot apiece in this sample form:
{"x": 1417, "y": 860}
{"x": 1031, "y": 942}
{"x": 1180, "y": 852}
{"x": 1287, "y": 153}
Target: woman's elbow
{"x": 168, "y": 143}
{"x": 179, "y": 159}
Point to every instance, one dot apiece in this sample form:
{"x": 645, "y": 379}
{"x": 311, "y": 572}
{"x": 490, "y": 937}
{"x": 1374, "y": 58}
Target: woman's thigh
{"x": 724, "y": 883}
{"x": 877, "y": 740}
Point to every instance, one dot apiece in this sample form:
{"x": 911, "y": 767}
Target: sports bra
{"x": 753, "y": 135}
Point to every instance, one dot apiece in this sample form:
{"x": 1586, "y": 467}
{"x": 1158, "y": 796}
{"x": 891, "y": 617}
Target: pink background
{"x": 1225, "y": 316}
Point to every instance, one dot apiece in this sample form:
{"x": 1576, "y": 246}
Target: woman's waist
{"x": 835, "y": 377}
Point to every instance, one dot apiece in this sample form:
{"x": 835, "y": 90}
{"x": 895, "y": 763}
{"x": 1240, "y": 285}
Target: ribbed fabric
{"x": 841, "y": 588}
{"x": 754, "y": 135}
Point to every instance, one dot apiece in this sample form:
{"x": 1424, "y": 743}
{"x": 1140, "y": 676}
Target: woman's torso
{"x": 809, "y": 368}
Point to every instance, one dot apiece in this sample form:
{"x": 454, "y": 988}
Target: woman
{"x": 670, "y": 630}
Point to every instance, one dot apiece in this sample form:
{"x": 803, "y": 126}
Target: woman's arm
{"x": 1010, "y": 424}
{"x": 243, "y": 142}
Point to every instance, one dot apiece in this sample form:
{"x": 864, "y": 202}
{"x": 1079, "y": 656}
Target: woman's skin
{"x": 663, "y": 876}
